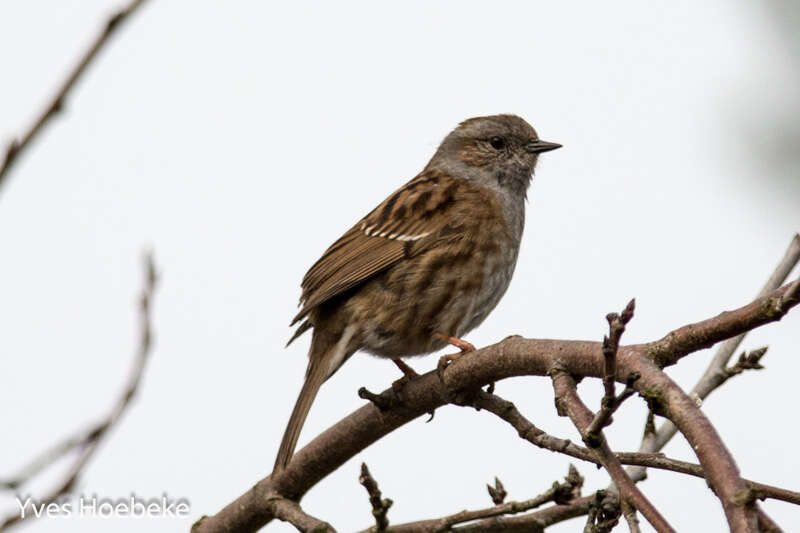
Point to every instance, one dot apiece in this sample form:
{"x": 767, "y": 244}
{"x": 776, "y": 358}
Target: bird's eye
{"x": 497, "y": 143}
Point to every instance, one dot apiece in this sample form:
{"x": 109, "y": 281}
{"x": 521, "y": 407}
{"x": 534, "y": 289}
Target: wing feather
{"x": 407, "y": 222}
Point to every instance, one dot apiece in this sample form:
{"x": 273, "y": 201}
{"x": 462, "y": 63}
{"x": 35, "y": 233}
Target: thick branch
{"x": 16, "y": 146}
{"x": 715, "y": 374}
{"x": 765, "y": 523}
{"x": 688, "y": 339}
{"x": 516, "y": 356}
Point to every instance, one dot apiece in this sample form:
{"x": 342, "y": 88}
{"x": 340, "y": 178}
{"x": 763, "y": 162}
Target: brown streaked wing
{"x": 407, "y": 222}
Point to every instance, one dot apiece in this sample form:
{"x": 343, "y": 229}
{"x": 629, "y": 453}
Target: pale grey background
{"x": 239, "y": 139}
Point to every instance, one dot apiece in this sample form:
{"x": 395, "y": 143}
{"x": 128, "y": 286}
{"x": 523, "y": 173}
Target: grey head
{"x": 498, "y": 151}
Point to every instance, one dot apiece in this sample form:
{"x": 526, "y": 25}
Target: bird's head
{"x": 498, "y": 150}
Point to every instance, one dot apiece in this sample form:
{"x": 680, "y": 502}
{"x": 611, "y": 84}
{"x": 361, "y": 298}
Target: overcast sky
{"x": 240, "y": 139}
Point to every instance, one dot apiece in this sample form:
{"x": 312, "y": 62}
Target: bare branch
{"x": 383, "y": 401}
{"x": 560, "y": 493}
{"x": 88, "y": 446}
{"x": 379, "y": 506}
{"x": 498, "y": 492}
{"x": 610, "y": 402}
{"x": 696, "y": 336}
{"x": 630, "y": 517}
{"x": 16, "y": 146}
{"x": 747, "y": 361}
{"x": 50, "y": 456}
{"x": 569, "y": 404}
{"x": 603, "y": 513}
{"x": 765, "y": 523}
{"x": 290, "y": 511}
{"x": 528, "y": 431}
{"x": 715, "y": 374}
{"x": 516, "y": 356}
{"x": 534, "y": 522}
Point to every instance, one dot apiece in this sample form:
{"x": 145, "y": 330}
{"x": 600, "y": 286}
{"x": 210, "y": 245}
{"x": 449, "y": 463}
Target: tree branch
{"x": 291, "y": 512}
{"x": 379, "y": 506}
{"x": 604, "y": 512}
{"x": 715, "y": 375}
{"x": 56, "y": 105}
{"x": 610, "y": 402}
{"x": 560, "y": 493}
{"x": 528, "y": 431}
{"x": 87, "y": 442}
{"x": 629, "y": 513}
{"x": 704, "y": 334}
{"x": 516, "y": 356}
{"x": 498, "y": 492}
{"x": 765, "y": 523}
{"x": 569, "y": 404}
{"x": 535, "y": 522}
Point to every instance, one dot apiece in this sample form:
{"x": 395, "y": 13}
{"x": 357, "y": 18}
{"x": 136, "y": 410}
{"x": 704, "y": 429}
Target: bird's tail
{"x": 316, "y": 375}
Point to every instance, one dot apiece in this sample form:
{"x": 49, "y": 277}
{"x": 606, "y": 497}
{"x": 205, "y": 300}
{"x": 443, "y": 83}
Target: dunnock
{"x": 427, "y": 265}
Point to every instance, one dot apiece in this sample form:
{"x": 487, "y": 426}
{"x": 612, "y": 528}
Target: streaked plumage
{"x": 435, "y": 257}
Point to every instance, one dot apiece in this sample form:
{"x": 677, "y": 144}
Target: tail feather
{"x": 316, "y": 376}
{"x": 302, "y": 328}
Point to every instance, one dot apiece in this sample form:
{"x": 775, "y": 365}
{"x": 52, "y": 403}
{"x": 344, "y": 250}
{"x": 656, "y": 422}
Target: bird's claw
{"x": 444, "y": 362}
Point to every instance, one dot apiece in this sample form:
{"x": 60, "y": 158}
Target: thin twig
{"x": 89, "y": 446}
{"x": 498, "y": 492}
{"x": 610, "y": 402}
{"x": 747, "y": 361}
{"x": 603, "y": 513}
{"x": 383, "y": 401}
{"x": 380, "y": 506}
{"x": 531, "y": 433}
{"x": 50, "y": 456}
{"x": 16, "y": 146}
{"x": 290, "y": 511}
{"x": 630, "y": 517}
{"x": 533, "y": 522}
{"x": 561, "y": 493}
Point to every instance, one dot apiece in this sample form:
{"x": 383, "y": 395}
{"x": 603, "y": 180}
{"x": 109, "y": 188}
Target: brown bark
{"x": 516, "y": 356}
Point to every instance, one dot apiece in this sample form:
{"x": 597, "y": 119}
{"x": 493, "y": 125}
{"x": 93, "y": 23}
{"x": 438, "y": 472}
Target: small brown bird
{"x": 427, "y": 265}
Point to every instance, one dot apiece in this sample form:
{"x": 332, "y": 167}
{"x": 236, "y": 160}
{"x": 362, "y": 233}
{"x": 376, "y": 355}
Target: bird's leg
{"x": 461, "y": 344}
{"x": 408, "y": 374}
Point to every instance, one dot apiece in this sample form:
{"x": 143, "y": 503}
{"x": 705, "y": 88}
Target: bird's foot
{"x": 446, "y": 360}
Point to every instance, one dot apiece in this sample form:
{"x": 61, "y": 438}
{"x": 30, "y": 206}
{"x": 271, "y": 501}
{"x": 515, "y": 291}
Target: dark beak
{"x": 537, "y": 146}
